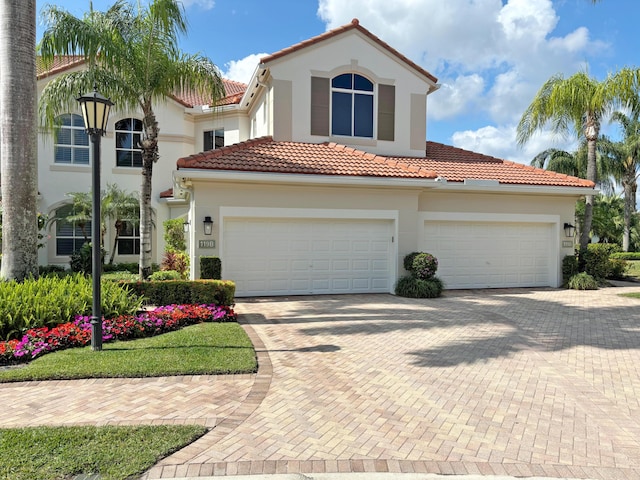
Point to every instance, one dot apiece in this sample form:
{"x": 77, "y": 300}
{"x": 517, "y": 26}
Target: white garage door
{"x": 279, "y": 256}
{"x": 491, "y": 255}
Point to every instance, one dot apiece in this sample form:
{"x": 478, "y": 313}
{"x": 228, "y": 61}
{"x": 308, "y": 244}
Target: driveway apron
{"x": 514, "y": 382}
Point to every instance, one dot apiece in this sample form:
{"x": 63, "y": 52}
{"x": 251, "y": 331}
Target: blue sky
{"x": 490, "y": 56}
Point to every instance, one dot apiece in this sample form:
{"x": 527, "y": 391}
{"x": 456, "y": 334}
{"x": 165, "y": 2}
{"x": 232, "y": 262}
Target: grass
{"x": 633, "y": 269}
{"x": 44, "y": 453}
{"x": 201, "y": 349}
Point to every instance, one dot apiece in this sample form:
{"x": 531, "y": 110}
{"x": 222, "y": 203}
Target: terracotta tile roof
{"x": 354, "y": 25}
{"x": 233, "y": 94}
{"x": 60, "y": 64}
{"x": 167, "y": 193}
{"x": 265, "y": 155}
{"x": 455, "y": 164}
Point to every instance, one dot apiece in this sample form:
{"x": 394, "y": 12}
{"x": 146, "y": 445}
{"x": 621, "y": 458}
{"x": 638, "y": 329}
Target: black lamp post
{"x": 95, "y": 112}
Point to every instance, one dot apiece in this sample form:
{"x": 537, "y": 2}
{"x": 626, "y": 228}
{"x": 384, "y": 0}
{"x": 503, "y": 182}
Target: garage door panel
{"x": 490, "y": 254}
{"x": 309, "y": 256}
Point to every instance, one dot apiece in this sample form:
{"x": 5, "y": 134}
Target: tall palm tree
{"x": 625, "y": 156}
{"x": 19, "y": 164}
{"x": 133, "y": 55}
{"x": 578, "y": 105}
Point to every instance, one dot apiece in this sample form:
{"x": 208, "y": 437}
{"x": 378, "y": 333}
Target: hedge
{"x": 626, "y": 255}
{"x": 219, "y": 292}
{"x": 210, "y": 268}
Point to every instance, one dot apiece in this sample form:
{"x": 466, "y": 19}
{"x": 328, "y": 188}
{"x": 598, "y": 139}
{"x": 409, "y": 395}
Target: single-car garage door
{"x": 491, "y": 254}
{"x": 281, "y": 256}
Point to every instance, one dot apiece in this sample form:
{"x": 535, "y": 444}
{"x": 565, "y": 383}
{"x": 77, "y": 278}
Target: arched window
{"x": 128, "y": 135}
{"x": 72, "y": 142}
{"x": 352, "y": 106}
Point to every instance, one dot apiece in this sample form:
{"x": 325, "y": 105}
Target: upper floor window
{"x": 352, "y": 106}
{"x": 71, "y": 233}
{"x": 213, "y": 139}
{"x": 128, "y": 135}
{"x": 72, "y": 142}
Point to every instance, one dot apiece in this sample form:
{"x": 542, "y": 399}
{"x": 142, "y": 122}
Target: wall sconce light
{"x": 569, "y": 230}
{"x": 208, "y": 225}
{"x": 185, "y": 227}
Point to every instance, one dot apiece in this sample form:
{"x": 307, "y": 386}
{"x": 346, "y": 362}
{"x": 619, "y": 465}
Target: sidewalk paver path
{"x": 519, "y": 382}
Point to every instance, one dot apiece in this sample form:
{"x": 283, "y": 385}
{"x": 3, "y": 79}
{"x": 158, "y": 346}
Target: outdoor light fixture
{"x": 569, "y": 230}
{"x": 185, "y": 226}
{"x": 95, "y": 112}
{"x": 208, "y": 225}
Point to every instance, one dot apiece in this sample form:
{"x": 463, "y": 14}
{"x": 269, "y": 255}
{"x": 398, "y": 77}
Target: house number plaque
{"x": 207, "y": 243}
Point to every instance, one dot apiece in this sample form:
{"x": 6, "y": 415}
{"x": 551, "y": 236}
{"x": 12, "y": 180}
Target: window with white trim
{"x": 352, "y": 106}
{"x": 129, "y": 238}
{"x": 70, "y": 236}
{"x": 128, "y": 135}
{"x": 213, "y": 139}
{"x": 72, "y": 142}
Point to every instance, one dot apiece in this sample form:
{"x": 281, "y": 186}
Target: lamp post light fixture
{"x": 95, "y": 112}
{"x": 208, "y": 225}
{"x": 569, "y": 230}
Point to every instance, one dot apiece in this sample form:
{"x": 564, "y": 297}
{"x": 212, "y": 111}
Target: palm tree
{"x": 579, "y": 104}
{"x": 625, "y": 156}
{"x": 133, "y": 55}
{"x": 19, "y": 164}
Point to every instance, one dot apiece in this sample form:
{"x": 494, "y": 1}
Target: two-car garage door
{"x": 301, "y": 256}
{"x": 491, "y": 254}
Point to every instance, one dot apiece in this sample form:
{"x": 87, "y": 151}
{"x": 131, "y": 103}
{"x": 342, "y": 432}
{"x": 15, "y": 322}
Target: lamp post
{"x": 95, "y": 112}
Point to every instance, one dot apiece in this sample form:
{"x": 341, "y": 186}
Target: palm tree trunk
{"x": 18, "y": 133}
{"x": 629, "y": 200}
{"x": 588, "y": 208}
{"x": 149, "y": 157}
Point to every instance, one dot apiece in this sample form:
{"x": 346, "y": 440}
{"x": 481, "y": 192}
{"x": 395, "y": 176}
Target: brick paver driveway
{"x": 510, "y": 382}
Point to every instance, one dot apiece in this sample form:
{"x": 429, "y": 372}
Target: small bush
{"x": 626, "y": 255}
{"x": 408, "y": 261}
{"x": 118, "y": 276}
{"x": 219, "y": 292}
{"x": 582, "y": 281}
{"x": 570, "y": 267}
{"x": 618, "y": 268}
{"x": 412, "y": 287}
{"x": 424, "y": 266}
{"x": 176, "y": 261}
{"x": 210, "y": 268}
{"x": 165, "y": 275}
{"x": 54, "y": 270}
{"x": 596, "y": 260}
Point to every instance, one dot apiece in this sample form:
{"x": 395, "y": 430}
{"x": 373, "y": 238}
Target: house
{"x": 316, "y": 178}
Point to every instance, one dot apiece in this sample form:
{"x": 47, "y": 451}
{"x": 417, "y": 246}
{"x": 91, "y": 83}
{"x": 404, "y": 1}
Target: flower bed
{"x": 38, "y": 341}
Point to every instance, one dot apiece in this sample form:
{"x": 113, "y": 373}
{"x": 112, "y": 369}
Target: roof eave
{"x": 528, "y": 189}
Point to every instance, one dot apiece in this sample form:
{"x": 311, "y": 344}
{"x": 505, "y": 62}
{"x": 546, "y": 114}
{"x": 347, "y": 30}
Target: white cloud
{"x": 455, "y": 96}
{"x": 500, "y": 142}
{"x": 205, "y": 4}
{"x": 241, "y": 70}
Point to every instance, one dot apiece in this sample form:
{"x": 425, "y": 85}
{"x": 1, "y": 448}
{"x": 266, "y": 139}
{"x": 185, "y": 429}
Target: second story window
{"x": 72, "y": 142}
{"x": 352, "y": 106}
{"x": 213, "y": 139}
{"x": 128, "y": 135}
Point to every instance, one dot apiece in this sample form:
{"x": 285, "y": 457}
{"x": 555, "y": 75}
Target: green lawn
{"x": 48, "y": 453}
{"x": 205, "y": 348}
{"x": 633, "y": 269}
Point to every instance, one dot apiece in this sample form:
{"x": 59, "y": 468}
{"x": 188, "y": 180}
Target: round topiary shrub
{"x": 408, "y": 261}
{"x": 582, "y": 281}
{"x": 424, "y": 266}
{"x": 412, "y": 287}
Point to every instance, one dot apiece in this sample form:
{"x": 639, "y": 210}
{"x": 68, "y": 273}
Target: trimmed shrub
{"x": 582, "y": 281}
{"x": 210, "y": 268}
{"x": 119, "y": 276}
{"x": 82, "y": 259}
{"x": 49, "y": 301}
{"x": 570, "y": 267}
{"x": 424, "y": 266}
{"x": 408, "y": 261}
{"x": 626, "y": 255}
{"x": 618, "y": 268}
{"x": 219, "y": 292}
{"x": 165, "y": 275}
{"x": 596, "y": 260}
{"x": 412, "y": 287}
{"x": 54, "y": 270}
